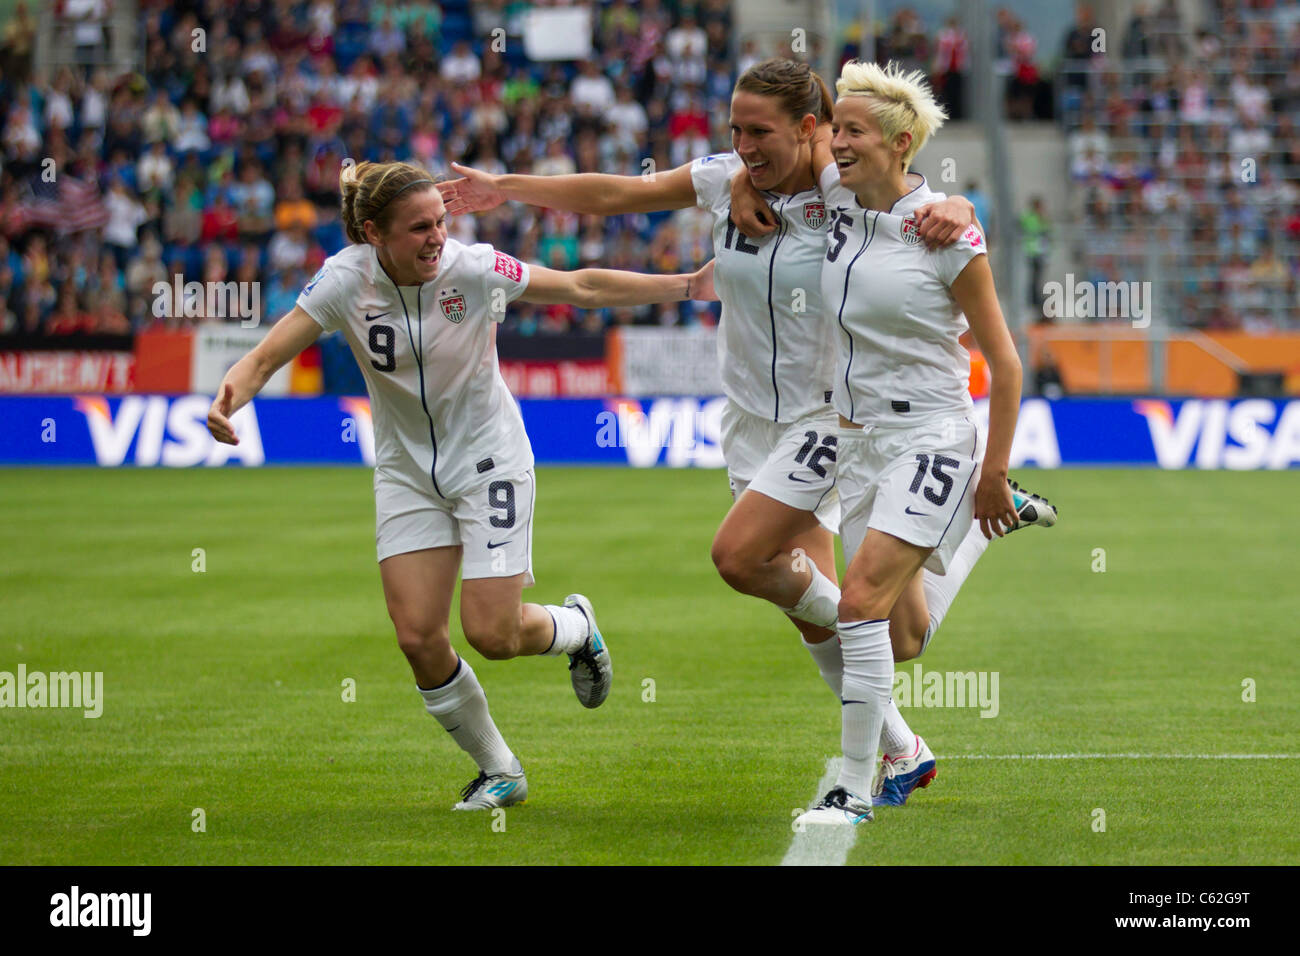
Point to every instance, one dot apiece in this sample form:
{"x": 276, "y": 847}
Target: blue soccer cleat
{"x": 899, "y": 776}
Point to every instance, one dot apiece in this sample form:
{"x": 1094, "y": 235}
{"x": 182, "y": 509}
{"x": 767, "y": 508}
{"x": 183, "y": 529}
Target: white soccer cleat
{"x": 590, "y": 667}
{"x": 1031, "y": 509}
{"x": 838, "y": 808}
{"x": 489, "y": 791}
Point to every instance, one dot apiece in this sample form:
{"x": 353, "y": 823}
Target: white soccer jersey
{"x": 443, "y": 416}
{"x": 775, "y": 348}
{"x": 889, "y": 300}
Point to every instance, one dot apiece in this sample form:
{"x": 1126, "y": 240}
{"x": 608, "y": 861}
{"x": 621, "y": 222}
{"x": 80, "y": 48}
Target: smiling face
{"x": 411, "y": 247}
{"x": 862, "y": 155}
{"x": 768, "y": 140}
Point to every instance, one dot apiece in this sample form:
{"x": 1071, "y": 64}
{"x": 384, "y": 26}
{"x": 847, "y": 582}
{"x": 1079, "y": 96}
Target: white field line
{"x": 830, "y": 846}
{"x": 1118, "y": 757}
{"x": 821, "y": 845}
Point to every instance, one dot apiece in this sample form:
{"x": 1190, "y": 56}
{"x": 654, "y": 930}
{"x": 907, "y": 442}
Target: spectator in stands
{"x": 17, "y": 42}
{"x": 9, "y": 300}
{"x": 1034, "y": 237}
{"x": 68, "y": 317}
{"x": 125, "y": 216}
{"x": 461, "y": 67}
{"x": 192, "y": 130}
{"x": 86, "y": 17}
{"x": 948, "y": 71}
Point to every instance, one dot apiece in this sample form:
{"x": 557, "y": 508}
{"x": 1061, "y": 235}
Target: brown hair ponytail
{"x": 369, "y": 191}
{"x": 799, "y": 90}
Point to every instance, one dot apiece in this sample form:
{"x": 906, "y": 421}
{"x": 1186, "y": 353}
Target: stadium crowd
{"x": 217, "y": 158}
{"x": 1182, "y": 146}
{"x": 1186, "y": 161}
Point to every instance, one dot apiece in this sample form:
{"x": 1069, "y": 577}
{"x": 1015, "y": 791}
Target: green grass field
{"x": 223, "y": 689}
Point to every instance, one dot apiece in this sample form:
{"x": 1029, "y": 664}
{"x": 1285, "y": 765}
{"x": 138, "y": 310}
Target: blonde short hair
{"x": 903, "y": 102}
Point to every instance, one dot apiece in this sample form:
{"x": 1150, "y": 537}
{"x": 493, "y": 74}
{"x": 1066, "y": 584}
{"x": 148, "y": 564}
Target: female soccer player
{"x": 909, "y": 448}
{"x": 776, "y": 343}
{"x": 454, "y": 483}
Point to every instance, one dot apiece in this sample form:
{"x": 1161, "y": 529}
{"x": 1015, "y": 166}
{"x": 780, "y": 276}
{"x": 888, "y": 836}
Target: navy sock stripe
{"x": 849, "y": 627}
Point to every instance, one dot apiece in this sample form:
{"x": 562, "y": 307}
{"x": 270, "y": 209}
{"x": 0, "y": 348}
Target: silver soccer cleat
{"x": 590, "y": 668}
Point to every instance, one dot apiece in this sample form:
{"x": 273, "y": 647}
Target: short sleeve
{"x": 835, "y": 195}
{"x": 711, "y": 176}
{"x": 501, "y": 273}
{"x": 951, "y": 260}
{"x": 322, "y": 299}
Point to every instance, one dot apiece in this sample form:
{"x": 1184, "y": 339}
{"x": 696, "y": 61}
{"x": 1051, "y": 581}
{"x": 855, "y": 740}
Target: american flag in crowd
{"x": 66, "y": 205}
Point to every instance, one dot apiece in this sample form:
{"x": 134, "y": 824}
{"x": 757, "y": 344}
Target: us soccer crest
{"x": 911, "y": 231}
{"x": 453, "y": 306}
{"x": 814, "y": 214}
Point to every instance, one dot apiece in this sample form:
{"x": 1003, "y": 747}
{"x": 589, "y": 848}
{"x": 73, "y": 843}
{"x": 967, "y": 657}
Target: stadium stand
{"x": 205, "y": 138}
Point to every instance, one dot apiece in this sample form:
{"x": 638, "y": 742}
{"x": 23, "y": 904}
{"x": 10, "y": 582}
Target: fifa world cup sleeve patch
{"x": 508, "y": 266}
{"x": 972, "y": 235}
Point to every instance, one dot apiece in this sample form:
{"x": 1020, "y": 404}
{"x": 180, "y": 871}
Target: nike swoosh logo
{"x": 371, "y": 318}
{"x": 498, "y": 543}
{"x": 919, "y": 514}
{"x": 802, "y": 481}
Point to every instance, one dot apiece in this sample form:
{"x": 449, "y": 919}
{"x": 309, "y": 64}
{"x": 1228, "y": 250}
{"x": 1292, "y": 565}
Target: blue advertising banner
{"x": 170, "y": 431}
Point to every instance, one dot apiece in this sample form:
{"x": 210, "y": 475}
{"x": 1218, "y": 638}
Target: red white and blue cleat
{"x": 899, "y": 776}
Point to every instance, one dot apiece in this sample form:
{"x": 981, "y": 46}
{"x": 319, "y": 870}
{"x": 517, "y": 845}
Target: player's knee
{"x": 495, "y": 636}
{"x": 733, "y": 566}
{"x": 859, "y": 601}
{"x": 418, "y": 642}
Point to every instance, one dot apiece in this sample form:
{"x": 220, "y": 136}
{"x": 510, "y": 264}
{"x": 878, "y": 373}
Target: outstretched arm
{"x": 249, "y": 375}
{"x": 594, "y": 194}
{"x": 974, "y": 292}
{"x": 601, "y": 288}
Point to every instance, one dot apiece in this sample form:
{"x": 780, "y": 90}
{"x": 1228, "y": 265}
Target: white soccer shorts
{"x": 916, "y": 483}
{"x": 793, "y": 463}
{"x": 494, "y": 524}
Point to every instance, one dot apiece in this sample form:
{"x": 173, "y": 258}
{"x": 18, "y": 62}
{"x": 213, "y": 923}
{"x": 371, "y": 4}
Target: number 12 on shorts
{"x": 825, "y": 451}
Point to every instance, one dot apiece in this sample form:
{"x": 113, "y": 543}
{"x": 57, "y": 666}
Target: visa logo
{"x": 1232, "y": 435}
{"x": 171, "y": 432}
{"x": 685, "y": 432}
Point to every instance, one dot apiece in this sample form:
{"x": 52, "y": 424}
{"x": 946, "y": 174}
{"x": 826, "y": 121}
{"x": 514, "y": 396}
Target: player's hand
{"x": 701, "y": 284}
{"x": 995, "y": 509}
{"x": 749, "y": 210}
{"x": 219, "y": 417}
{"x": 475, "y": 191}
{"x": 942, "y": 223}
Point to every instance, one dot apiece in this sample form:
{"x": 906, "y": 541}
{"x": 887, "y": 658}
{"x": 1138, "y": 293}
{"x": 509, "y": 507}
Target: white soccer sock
{"x": 820, "y": 604}
{"x": 941, "y": 589}
{"x": 462, "y": 708}
{"x": 896, "y": 738}
{"x": 868, "y": 679}
{"x": 829, "y": 661}
{"x": 570, "y": 629}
